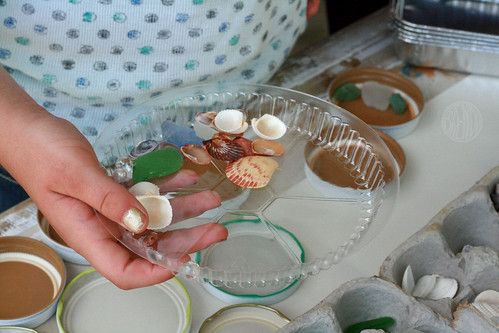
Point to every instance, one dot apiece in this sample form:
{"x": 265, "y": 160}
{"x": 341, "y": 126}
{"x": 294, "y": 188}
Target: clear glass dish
{"x": 333, "y": 191}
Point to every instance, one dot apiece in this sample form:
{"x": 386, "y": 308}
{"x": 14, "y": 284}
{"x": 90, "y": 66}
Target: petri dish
{"x": 328, "y": 224}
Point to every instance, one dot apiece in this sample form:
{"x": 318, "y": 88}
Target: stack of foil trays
{"x": 461, "y": 35}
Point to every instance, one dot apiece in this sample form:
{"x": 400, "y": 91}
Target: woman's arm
{"x": 58, "y": 168}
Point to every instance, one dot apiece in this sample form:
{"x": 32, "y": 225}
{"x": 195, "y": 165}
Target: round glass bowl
{"x": 326, "y": 223}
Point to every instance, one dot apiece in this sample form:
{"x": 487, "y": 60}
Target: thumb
{"x": 110, "y": 199}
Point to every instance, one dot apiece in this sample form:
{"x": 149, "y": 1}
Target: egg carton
{"x": 460, "y": 242}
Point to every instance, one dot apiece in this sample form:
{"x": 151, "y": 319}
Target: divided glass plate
{"x": 330, "y": 212}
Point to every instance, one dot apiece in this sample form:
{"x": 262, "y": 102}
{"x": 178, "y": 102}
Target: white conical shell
{"x": 144, "y": 188}
{"x": 443, "y": 288}
{"x": 159, "y": 210}
{"x": 231, "y": 121}
{"x": 488, "y": 296}
{"x": 424, "y": 286}
{"x": 268, "y": 127}
{"x": 408, "y": 281}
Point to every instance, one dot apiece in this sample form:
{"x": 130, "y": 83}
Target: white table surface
{"x": 438, "y": 170}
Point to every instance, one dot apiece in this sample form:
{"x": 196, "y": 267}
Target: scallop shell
{"x": 246, "y": 144}
{"x": 488, "y": 296}
{"x": 487, "y": 303}
{"x": 230, "y": 121}
{"x": 268, "y": 127}
{"x": 144, "y": 188}
{"x": 251, "y": 171}
{"x": 224, "y": 149}
{"x": 197, "y": 154}
{"x": 444, "y": 288}
{"x": 206, "y": 118}
{"x": 159, "y": 210}
{"x": 424, "y": 286}
{"x": 267, "y": 148}
{"x": 435, "y": 287}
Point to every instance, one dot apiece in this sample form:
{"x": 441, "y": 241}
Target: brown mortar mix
{"x": 373, "y": 116}
{"x": 326, "y": 165}
{"x": 26, "y": 289}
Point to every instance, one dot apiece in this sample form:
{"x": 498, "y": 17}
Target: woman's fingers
{"x": 193, "y": 205}
{"x": 111, "y": 199}
{"x": 185, "y": 241}
{"x": 179, "y": 180}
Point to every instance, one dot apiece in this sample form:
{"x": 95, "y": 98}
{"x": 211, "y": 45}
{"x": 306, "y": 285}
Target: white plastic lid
{"x": 91, "y": 303}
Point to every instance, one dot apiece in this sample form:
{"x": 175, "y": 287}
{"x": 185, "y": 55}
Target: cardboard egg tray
{"x": 461, "y": 242}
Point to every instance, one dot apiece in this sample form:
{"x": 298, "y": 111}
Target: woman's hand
{"x": 59, "y": 170}
{"x": 312, "y": 7}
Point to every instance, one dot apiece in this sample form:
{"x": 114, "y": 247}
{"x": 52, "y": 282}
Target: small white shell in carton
{"x": 454, "y": 259}
{"x": 367, "y": 299}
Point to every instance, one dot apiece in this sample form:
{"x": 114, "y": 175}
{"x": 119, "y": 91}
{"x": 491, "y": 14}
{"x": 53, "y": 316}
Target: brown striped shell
{"x": 224, "y": 149}
{"x": 251, "y": 171}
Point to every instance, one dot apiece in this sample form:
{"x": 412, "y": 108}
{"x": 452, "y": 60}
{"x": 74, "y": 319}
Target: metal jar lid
{"x": 245, "y": 318}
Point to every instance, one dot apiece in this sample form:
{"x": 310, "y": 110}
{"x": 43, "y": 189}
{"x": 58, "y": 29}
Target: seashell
{"x": 487, "y": 303}
{"x": 488, "y": 296}
{"x": 206, "y": 118}
{"x": 488, "y": 311}
{"x": 144, "y": 188}
{"x": 435, "y": 287}
{"x": 224, "y": 149}
{"x": 144, "y": 147}
{"x": 444, "y": 288}
{"x": 408, "y": 281}
{"x": 159, "y": 210}
{"x": 424, "y": 286}
{"x": 268, "y": 127}
{"x": 197, "y": 154}
{"x": 370, "y": 330}
{"x": 251, "y": 171}
{"x": 231, "y": 121}
{"x": 267, "y": 148}
{"x": 245, "y": 144}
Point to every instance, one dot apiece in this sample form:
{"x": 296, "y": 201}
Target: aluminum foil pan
{"x": 426, "y": 37}
{"x": 477, "y": 16}
{"x": 451, "y": 58}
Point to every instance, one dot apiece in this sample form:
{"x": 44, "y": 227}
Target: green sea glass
{"x": 398, "y": 103}
{"x": 383, "y": 323}
{"x": 159, "y": 163}
{"x": 347, "y": 92}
